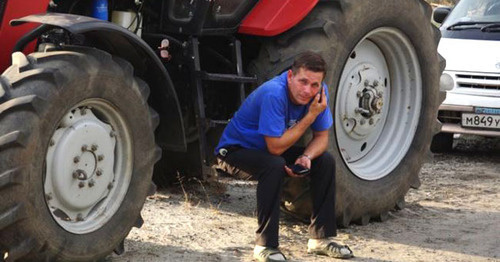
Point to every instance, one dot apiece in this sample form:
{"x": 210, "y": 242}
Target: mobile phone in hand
{"x": 320, "y": 93}
{"x": 299, "y": 169}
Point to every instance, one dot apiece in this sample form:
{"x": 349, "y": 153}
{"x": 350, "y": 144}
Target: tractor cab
{"x": 204, "y": 17}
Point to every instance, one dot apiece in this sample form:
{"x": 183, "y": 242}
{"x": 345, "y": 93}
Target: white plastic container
{"x": 127, "y": 19}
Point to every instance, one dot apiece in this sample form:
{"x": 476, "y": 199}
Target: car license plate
{"x": 481, "y": 120}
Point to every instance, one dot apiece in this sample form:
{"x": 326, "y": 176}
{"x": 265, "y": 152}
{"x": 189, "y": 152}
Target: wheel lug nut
{"x": 371, "y": 121}
{"x": 76, "y": 159}
{"x": 83, "y": 111}
{"x": 91, "y": 183}
{"x": 94, "y": 147}
{"x": 362, "y": 122}
{"x": 79, "y": 217}
{"x": 84, "y": 148}
{"x": 98, "y": 172}
{"x": 359, "y": 94}
{"x": 110, "y": 185}
{"x": 375, "y": 83}
{"x": 80, "y": 174}
{"x": 367, "y": 82}
{"x": 81, "y": 184}
{"x": 100, "y": 158}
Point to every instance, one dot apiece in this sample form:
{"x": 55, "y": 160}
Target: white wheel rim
{"x": 378, "y": 103}
{"x": 88, "y": 166}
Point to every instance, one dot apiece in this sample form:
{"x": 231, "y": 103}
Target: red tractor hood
{"x": 273, "y": 17}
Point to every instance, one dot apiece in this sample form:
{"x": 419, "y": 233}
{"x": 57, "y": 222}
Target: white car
{"x": 470, "y": 44}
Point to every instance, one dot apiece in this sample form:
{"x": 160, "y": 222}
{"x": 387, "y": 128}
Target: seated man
{"x": 259, "y": 144}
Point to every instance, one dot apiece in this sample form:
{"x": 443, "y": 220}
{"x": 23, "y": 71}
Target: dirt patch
{"x": 454, "y": 216}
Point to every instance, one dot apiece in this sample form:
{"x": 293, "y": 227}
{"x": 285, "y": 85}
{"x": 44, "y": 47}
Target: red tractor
{"x": 98, "y": 91}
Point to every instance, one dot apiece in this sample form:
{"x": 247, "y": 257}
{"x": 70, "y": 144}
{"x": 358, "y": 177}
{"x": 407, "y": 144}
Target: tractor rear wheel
{"x": 383, "y": 78}
{"x": 77, "y": 152}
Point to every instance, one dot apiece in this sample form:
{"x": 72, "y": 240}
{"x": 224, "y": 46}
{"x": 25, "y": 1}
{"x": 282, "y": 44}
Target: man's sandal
{"x": 265, "y": 255}
{"x": 333, "y": 250}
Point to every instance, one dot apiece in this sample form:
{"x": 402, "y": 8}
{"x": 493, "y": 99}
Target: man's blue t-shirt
{"x": 268, "y": 111}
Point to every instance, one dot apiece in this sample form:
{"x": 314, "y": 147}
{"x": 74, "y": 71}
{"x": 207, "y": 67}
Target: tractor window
{"x": 226, "y": 7}
{"x": 211, "y": 17}
{"x": 229, "y": 13}
{"x": 183, "y": 9}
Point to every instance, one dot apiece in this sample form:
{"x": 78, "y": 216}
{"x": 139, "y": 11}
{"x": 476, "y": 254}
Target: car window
{"x": 474, "y": 11}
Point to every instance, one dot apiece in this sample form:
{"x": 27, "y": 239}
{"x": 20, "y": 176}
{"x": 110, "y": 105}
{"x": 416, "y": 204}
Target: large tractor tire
{"x": 77, "y": 151}
{"x": 383, "y": 77}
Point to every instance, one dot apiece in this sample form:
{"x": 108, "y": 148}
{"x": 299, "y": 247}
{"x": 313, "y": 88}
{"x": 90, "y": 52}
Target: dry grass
{"x": 187, "y": 197}
{"x": 442, "y": 2}
{"x": 195, "y": 191}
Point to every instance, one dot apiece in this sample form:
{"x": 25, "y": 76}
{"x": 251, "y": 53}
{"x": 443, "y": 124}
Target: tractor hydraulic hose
{"x": 27, "y": 38}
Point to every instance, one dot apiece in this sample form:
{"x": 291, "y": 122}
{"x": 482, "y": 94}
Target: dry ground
{"x": 454, "y": 216}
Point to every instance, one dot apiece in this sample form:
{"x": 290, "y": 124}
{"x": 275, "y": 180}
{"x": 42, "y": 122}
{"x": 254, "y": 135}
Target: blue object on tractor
{"x": 100, "y": 9}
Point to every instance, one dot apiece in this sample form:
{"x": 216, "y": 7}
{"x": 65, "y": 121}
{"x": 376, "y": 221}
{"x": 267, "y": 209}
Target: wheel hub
{"x": 364, "y": 101}
{"x": 79, "y": 165}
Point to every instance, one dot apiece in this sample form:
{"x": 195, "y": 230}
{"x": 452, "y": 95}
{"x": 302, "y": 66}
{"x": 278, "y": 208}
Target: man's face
{"x": 304, "y": 85}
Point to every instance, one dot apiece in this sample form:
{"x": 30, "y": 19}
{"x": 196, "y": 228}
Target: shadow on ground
{"x": 147, "y": 251}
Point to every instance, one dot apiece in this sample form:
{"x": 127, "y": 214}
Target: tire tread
{"x": 10, "y": 216}
{"x": 12, "y": 139}
{"x": 23, "y": 101}
{"x": 31, "y": 74}
{"x": 9, "y": 178}
{"x": 21, "y": 250}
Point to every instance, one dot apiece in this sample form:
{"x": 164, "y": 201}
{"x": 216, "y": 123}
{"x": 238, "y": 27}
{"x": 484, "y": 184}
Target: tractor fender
{"x": 11, "y": 10}
{"x": 120, "y": 42}
{"x": 270, "y": 18}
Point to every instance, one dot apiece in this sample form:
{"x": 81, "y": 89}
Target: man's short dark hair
{"x": 311, "y": 61}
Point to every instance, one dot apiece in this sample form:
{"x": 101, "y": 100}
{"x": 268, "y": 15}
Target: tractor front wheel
{"x": 77, "y": 152}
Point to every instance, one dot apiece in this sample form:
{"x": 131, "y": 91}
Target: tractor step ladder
{"x": 197, "y": 82}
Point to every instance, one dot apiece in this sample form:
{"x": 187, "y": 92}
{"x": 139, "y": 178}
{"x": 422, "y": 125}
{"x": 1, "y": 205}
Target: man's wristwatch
{"x": 304, "y": 155}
